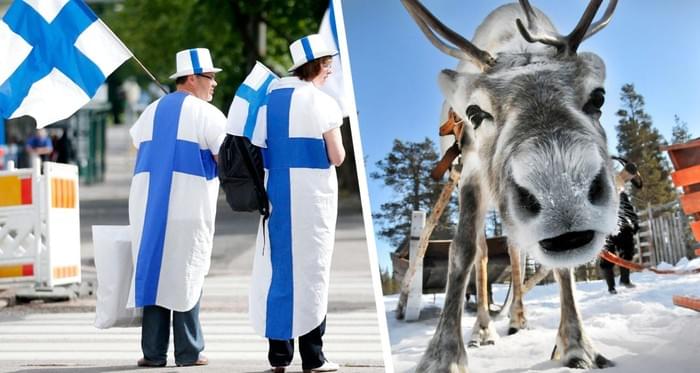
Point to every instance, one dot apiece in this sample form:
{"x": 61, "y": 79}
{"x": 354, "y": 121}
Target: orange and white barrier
{"x": 40, "y": 226}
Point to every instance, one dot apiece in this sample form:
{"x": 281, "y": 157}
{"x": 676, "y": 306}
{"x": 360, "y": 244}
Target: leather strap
{"x": 454, "y": 125}
{"x": 445, "y": 163}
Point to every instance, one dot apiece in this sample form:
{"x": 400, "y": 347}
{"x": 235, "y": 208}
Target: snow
{"x": 640, "y": 328}
{"x": 683, "y": 265}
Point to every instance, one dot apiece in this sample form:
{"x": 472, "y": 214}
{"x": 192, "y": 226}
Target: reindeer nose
{"x": 567, "y": 241}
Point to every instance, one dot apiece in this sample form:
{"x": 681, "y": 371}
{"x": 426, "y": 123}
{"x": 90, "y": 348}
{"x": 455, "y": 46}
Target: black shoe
{"x": 628, "y": 285}
{"x": 143, "y": 362}
{"x": 612, "y": 291}
{"x": 609, "y": 277}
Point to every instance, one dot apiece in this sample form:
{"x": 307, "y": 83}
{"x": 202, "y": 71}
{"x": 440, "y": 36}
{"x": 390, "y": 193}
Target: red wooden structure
{"x": 686, "y": 160}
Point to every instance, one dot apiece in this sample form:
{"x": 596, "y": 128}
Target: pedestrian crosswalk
{"x": 351, "y": 339}
{"x": 69, "y": 339}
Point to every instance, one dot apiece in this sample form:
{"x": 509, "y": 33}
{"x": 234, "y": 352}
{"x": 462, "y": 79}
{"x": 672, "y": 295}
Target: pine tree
{"x": 639, "y": 142}
{"x": 406, "y": 170}
{"x": 389, "y": 283}
{"x": 679, "y": 132}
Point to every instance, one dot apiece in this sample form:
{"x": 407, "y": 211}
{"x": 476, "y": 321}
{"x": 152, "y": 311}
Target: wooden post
{"x": 415, "y": 293}
{"x": 652, "y": 238}
{"x": 541, "y": 273}
{"x": 430, "y": 225}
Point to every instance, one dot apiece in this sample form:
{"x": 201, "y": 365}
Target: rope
{"x": 612, "y": 258}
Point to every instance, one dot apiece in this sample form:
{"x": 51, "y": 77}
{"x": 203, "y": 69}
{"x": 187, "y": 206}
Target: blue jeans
{"x": 187, "y": 332}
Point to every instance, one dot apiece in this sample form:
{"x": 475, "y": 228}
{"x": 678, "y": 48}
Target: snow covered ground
{"x": 639, "y": 329}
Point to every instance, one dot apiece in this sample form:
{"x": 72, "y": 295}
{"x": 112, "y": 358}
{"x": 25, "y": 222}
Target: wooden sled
{"x": 687, "y": 302}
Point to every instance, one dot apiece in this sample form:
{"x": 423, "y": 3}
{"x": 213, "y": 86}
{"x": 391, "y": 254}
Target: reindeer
{"x": 535, "y": 150}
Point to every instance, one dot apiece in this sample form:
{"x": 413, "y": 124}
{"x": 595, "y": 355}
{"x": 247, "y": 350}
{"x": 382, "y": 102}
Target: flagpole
{"x": 149, "y": 74}
{"x": 134, "y": 56}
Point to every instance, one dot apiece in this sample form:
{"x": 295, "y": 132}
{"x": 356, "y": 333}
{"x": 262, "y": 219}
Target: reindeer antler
{"x": 607, "y": 16}
{"x": 430, "y": 25}
{"x": 570, "y": 43}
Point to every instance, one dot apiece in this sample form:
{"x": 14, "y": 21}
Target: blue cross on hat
{"x": 308, "y": 49}
{"x": 194, "y": 61}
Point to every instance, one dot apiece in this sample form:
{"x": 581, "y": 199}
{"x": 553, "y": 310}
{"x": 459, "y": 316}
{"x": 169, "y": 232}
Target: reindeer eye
{"x": 476, "y": 115}
{"x": 595, "y": 102}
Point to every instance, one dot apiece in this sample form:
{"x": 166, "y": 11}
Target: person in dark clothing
{"x": 63, "y": 148}
{"x": 622, "y": 243}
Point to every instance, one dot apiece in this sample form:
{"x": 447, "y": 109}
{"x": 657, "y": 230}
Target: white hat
{"x": 308, "y": 49}
{"x": 193, "y": 61}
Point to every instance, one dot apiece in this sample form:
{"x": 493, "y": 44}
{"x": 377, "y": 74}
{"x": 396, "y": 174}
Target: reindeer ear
{"x": 457, "y": 88}
{"x": 447, "y": 80}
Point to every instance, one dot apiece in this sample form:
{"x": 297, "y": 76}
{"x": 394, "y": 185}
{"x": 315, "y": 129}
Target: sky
{"x": 394, "y": 68}
{"x": 639, "y": 329}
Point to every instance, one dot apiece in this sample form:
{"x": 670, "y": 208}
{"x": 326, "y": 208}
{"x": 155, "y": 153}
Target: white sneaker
{"x": 326, "y": 367}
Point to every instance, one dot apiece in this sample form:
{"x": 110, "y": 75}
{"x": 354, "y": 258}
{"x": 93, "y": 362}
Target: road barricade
{"x": 40, "y": 226}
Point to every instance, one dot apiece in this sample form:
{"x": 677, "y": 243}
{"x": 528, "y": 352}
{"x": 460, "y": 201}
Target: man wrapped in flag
{"x": 298, "y": 127}
{"x": 54, "y": 54}
{"x": 172, "y": 206}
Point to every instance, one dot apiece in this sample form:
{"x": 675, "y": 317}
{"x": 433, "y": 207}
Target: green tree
{"x": 680, "y": 132}
{"x": 389, "y": 283}
{"x": 237, "y": 32}
{"x": 406, "y": 170}
{"x": 639, "y": 142}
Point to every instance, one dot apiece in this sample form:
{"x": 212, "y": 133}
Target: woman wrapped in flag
{"x": 302, "y": 144}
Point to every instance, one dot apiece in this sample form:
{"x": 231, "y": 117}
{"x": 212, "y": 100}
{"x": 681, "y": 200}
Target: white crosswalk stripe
{"x": 351, "y": 338}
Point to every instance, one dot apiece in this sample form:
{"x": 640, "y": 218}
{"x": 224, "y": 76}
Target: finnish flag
{"x": 291, "y": 267}
{"x": 54, "y": 55}
{"x": 334, "y": 84}
{"x": 249, "y": 105}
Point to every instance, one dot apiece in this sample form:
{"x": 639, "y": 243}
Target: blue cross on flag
{"x": 162, "y": 156}
{"x": 248, "y": 106}
{"x": 54, "y": 55}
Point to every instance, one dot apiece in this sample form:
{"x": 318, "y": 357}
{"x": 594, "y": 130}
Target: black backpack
{"x": 242, "y": 176}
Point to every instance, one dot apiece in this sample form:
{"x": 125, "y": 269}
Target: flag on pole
{"x": 54, "y": 55}
{"x": 249, "y": 105}
{"x": 334, "y": 84}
